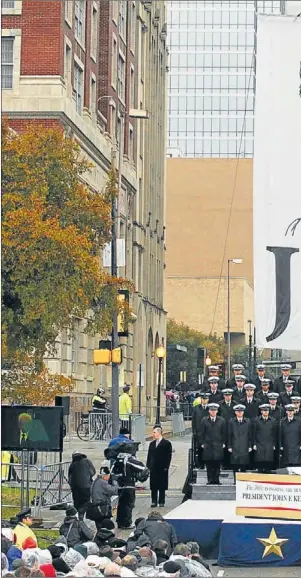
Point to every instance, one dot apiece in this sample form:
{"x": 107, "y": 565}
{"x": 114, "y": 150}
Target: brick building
{"x": 84, "y": 65}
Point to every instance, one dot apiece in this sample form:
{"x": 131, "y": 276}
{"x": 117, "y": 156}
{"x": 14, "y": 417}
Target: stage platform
{"x": 234, "y": 540}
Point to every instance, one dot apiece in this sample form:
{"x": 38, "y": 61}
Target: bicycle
{"x": 97, "y": 429}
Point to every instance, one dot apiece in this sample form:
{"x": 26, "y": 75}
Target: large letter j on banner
{"x": 283, "y": 288}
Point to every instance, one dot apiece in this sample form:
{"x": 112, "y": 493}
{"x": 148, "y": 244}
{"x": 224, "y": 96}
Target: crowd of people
{"x": 244, "y": 424}
{"x": 84, "y": 549}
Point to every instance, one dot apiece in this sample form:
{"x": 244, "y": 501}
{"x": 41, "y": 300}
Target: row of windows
{"x": 212, "y": 59}
{"x": 214, "y": 103}
{"x": 211, "y": 147}
{"x": 213, "y": 125}
{"x": 262, "y": 5}
{"x": 204, "y": 39}
{"x": 212, "y": 82}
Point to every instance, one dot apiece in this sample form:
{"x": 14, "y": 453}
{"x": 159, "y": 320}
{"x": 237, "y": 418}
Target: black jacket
{"x": 279, "y": 384}
{"x": 257, "y": 382}
{"x": 265, "y": 439}
{"x": 157, "y": 530}
{"x": 251, "y": 410}
{"x": 287, "y": 399}
{"x": 277, "y": 414}
{"x": 213, "y": 436}
{"x": 81, "y": 472}
{"x": 226, "y": 411}
{"x": 216, "y": 397}
{"x": 262, "y": 397}
{"x": 158, "y": 462}
{"x": 238, "y": 396}
{"x": 198, "y": 412}
{"x": 126, "y": 468}
{"x": 290, "y": 433}
{"x": 75, "y": 531}
{"x": 240, "y": 440}
{"x": 206, "y": 384}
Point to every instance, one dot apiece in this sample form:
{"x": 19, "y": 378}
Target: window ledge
{"x": 11, "y": 11}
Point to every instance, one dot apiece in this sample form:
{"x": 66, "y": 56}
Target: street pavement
{"x": 178, "y": 472}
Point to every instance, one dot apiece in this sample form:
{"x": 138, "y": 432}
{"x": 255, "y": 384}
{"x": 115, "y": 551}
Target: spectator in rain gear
{"x": 74, "y": 530}
{"x": 22, "y": 529}
{"x": 80, "y": 474}
{"x": 156, "y": 528}
{"x": 101, "y": 493}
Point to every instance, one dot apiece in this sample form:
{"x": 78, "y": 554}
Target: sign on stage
{"x": 268, "y": 496}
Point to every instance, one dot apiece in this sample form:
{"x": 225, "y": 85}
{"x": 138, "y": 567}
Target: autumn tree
{"x": 25, "y": 384}
{"x": 176, "y": 361}
{"x": 53, "y": 230}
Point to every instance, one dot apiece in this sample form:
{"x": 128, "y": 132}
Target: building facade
{"x": 84, "y": 65}
{"x": 213, "y": 75}
{"x": 210, "y": 220}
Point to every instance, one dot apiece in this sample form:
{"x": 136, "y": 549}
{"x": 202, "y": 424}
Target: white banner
{"x": 277, "y": 184}
{"x": 280, "y": 495}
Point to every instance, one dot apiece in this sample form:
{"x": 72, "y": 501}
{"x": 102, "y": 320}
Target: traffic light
{"x": 104, "y": 355}
{"x": 123, "y": 298}
{"x": 101, "y": 356}
{"x": 201, "y": 357}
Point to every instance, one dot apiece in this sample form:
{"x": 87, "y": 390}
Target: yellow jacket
{"x": 125, "y": 405}
{"x": 22, "y": 532}
{"x": 5, "y": 460}
{"x": 197, "y": 401}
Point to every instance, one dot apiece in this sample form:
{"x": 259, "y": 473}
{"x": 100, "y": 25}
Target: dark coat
{"x": 213, "y": 437}
{"x": 277, "y": 414}
{"x": 298, "y": 387}
{"x": 215, "y": 397}
{"x": 279, "y": 384}
{"x": 238, "y": 396}
{"x": 265, "y": 439}
{"x": 198, "y": 412}
{"x": 158, "y": 462}
{"x": 157, "y": 529}
{"x": 206, "y": 384}
{"x": 262, "y": 397}
{"x": 287, "y": 399}
{"x": 75, "y": 531}
{"x": 240, "y": 440}
{"x": 226, "y": 411}
{"x": 291, "y": 442}
{"x": 257, "y": 382}
{"x": 251, "y": 410}
{"x": 81, "y": 472}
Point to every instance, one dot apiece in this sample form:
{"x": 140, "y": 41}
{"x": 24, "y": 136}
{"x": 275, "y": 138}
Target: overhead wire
{"x": 252, "y": 72}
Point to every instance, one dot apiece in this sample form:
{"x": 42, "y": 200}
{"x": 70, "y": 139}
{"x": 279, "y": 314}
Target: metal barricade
{"x": 137, "y": 428}
{"x": 178, "y": 425}
{"x": 53, "y": 486}
{"x": 100, "y": 426}
{"x": 19, "y": 487}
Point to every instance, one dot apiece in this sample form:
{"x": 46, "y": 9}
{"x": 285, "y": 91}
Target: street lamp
{"x": 133, "y": 113}
{"x": 236, "y": 262}
{"x": 160, "y": 353}
{"x": 208, "y": 361}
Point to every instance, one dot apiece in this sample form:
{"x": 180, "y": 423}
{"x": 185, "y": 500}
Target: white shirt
{"x": 158, "y": 441}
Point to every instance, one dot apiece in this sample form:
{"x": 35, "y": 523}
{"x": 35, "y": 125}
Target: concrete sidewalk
{"x": 94, "y": 450}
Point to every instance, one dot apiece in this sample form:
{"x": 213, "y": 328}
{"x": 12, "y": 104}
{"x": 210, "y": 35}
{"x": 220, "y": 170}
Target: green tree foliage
{"x": 176, "y": 361}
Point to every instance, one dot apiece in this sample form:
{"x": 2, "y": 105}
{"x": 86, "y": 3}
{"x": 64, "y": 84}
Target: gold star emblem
{"x": 272, "y": 544}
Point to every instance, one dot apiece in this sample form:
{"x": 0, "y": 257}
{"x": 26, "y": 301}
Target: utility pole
{"x": 114, "y": 273}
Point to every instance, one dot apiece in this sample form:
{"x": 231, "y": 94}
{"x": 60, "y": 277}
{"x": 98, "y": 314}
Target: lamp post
{"x": 236, "y": 262}
{"x": 160, "y": 353}
{"x": 134, "y": 113}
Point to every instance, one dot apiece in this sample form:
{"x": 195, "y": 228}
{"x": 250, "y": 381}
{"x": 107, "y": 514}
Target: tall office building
{"x": 213, "y": 75}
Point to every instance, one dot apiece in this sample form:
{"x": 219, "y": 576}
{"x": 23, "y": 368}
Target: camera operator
{"x": 127, "y": 470}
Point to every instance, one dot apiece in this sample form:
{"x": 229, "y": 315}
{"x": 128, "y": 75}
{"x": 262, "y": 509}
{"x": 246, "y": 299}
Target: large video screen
{"x": 32, "y": 428}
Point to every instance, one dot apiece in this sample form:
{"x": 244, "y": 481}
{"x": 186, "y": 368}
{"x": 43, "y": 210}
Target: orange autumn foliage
{"x": 53, "y": 230}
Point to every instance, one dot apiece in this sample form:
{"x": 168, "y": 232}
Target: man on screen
{"x": 31, "y": 430}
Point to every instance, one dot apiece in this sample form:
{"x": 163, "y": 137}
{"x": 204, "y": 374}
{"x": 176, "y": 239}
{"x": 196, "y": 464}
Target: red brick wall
{"x": 40, "y": 23}
{"x": 21, "y": 124}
